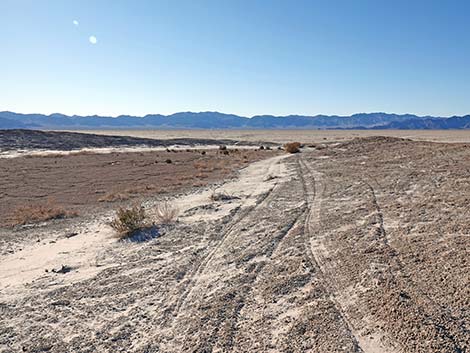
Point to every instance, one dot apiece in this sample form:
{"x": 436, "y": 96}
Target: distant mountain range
{"x": 215, "y": 120}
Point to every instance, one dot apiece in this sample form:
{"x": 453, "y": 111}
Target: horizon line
{"x": 240, "y": 116}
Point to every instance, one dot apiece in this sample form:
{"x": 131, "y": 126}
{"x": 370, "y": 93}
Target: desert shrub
{"x": 201, "y": 175}
{"x": 165, "y": 213}
{"x": 292, "y": 147}
{"x": 270, "y": 177}
{"x": 168, "y": 161}
{"x": 203, "y": 152}
{"x": 128, "y": 220}
{"x": 39, "y": 213}
{"x": 222, "y": 147}
{"x": 114, "y": 196}
{"x": 221, "y": 196}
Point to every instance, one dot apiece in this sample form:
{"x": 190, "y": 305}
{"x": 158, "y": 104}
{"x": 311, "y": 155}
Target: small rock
{"x": 61, "y": 303}
{"x": 63, "y": 269}
{"x": 70, "y": 235}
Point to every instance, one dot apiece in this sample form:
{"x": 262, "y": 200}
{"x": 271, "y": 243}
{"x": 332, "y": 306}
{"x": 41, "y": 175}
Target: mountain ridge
{"x": 216, "y": 120}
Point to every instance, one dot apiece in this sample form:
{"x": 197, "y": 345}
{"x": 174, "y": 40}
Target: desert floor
{"x": 352, "y": 246}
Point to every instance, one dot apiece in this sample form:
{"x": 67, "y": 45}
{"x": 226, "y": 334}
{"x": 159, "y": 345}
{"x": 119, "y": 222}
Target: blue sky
{"x": 245, "y": 57}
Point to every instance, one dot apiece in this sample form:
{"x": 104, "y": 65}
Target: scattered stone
{"x": 61, "y": 303}
{"x": 70, "y": 235}
{"x": 63, "y": 269}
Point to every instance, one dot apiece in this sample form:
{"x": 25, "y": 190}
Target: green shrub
{"x": 128, "y": 220}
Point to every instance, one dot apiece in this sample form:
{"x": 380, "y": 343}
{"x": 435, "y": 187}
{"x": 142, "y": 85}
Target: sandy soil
{"x": 357, "y": 247}
{"x": 283, "y": 136}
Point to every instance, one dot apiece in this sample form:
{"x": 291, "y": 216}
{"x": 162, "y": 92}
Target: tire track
{"x": 312, "y": 198}
{"x": 443, "y": 313}
{"x": 249, "y": 286}
{"x": 219, "y": 312}
{"x": 422, "y": 312}
{"x": 204, "y": 262}
{"x": 200, "y": 268}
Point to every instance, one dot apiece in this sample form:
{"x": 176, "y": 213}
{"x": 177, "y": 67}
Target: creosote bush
{"x": 292, "y": 147}
{"x": 128, "y": 220}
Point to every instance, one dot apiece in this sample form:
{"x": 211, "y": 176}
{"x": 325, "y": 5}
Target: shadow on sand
{"x": 142, "y": 235}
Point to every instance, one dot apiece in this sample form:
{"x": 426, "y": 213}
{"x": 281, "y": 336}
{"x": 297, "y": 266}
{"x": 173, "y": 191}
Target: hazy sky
{"x": 244, "y": 57}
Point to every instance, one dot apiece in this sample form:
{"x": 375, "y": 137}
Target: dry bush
{"x": 221, "y": 196}
{"x": 292, "y": 147}
{"x": 200, "y": 164}
{"x": 165, "y": 213}
{"x": 114, "y": 196}
{"x": 128, "y": 220}
{"x": 270, "y": 177}
{"x": 39, "y": 213}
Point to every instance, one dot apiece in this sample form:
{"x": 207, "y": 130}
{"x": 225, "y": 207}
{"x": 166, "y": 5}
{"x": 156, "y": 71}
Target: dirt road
{"x": 359, "y": 247}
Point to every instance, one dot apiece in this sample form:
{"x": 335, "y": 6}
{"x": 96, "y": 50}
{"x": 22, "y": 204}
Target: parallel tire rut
{"x": 313, "y": 193}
